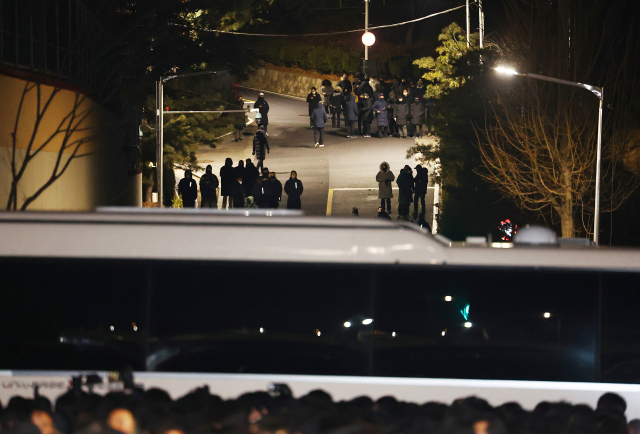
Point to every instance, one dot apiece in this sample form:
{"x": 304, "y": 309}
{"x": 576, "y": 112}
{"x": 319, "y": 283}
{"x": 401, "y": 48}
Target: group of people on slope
{"x": 411, "y": 189}
{"x": 400, "y": 111}
{"x": 242, "y": 186}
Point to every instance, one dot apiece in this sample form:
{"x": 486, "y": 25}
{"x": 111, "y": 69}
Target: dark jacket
{"x": 239, "y": 172}
{"x": 276, "y": 189}
{"x": 319, "y": 117}
{"x": 313, "y": 101}
{"x": 237, "y": 195}
{"x": 293, "y": 188}
{"x": 260, "y": 145}
{"x": 405, "y": 186}
{"x": 250, "y": 176}
{"x": 384, "y": 179}
{"x": 336, "y": 103}
{"x": 380, "y": 109}
{"x": 263, "y": 109}
{"x": 262, "y": 194}
{"x": 239, "y": 120}
{"x": 417, "y": 110}
{"x": 421, "y": 181}
{"x": 352, "y": 109}
{"x": 365, "y": 87}
{"x": 188, "y": 188}
{"x": 346, "y": 86}
{"x": 226, "y": 179}
{"x": 401, "y": 112}
{"x": 208, "y": 184}
{"x": 365, "y": 105}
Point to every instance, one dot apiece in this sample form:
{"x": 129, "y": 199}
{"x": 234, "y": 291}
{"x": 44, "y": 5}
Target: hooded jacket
{"x": 293, "y": 188}
{"x": 421, "y": 181}
{"x": 189, "y": 191}
{"x": 263, "y": 109}
{"x": 405, "y": 185}
{"x": 352, "y": 109}
{"x": 262, "y": 194}
{"x": 385, "y": 179}
{"x": 276, "y": 189}
{"x": 208, "y": 184}
{"x": 226, "y": 178}
{"x": 319, "y": 117}
{"x": 401, "y": 112}
{"x": 380, "y": 109}
{"x": 365, "y": 105}
{"x": 260, "y": 145}
{"x": 346, "y": 86}
{"x": 250, "y": 176}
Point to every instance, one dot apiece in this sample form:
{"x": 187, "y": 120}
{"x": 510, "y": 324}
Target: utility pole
{"x": 481, "y": 25}
{"x": 366, "y": 27}
{"x": 468, "y": 26}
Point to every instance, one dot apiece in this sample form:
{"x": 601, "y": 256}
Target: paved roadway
{"x": 336, "y": 178}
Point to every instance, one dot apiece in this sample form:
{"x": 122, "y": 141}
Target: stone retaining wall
{"x": 289, "y": 83}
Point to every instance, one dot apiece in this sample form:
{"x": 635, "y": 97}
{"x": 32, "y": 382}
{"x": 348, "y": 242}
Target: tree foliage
{"x": 442, "y": 72}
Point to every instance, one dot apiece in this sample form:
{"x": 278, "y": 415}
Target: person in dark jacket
{"x": 262, "y": 194}
{"x": 336, "y": 108}
{"x": 379, "y": 108}
{"x": 293, "y": 187}
{"x": 250, "y": 175}
{"x": 238, "y": 119}
{"x": 260, "y": 144}
{"x": 420, "y": 184}
{"x": 351, "y": 114}
{"x": 366, "y": 115}
{"x": 318, "y": 119}
{"x": 393, "y": 128}
{"x": 239, "y": 170}
{"x": 188, "y": 188}
{"x": 227, "y": 176}
{"x": 263, "y": 109}
{"x": 417, "y": 110}
{"x": 238, "y": 193}
{"x": 405, "y": 187}
{"x": 401, "y": 116}
{"x": 208, "y": 189}
{"x": 313, "y": 99}
{"x": 276, "y": 189}
{"x": 345, "y": 84}
{"x": 365, "y": 87}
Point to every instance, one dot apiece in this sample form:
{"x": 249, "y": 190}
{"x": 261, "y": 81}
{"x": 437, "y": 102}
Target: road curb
{"x": 275, "y": 93}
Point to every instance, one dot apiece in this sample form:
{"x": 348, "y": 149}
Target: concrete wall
{"x": 279, "y": 80}
{"x": 100, "y": 178}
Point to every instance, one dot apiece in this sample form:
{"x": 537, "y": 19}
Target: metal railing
{"x": 60, "y": 39}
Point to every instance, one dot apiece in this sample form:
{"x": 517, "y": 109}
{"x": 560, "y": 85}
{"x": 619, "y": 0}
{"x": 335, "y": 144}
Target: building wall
{"x": 98, "y": 179}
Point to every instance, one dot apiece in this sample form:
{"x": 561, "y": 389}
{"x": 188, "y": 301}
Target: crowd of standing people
{"x": 399, "y": 108}
{"x": 411, "y": 189}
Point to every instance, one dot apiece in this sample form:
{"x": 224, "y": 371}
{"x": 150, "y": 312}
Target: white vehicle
{"x": 352, "y": 306}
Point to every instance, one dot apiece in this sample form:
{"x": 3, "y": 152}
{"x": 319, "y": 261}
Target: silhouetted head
{"x": 209, "y": 169}
{"x": 187, "y": 174}
{"x": 294, "y": 174}
{"x": 228, "y": 162}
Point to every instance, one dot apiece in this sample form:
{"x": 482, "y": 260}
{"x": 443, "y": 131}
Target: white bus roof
{"x": 272, "y": 236}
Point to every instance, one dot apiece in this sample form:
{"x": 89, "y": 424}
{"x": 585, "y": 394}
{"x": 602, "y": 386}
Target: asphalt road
{"x": 342, "y": 173}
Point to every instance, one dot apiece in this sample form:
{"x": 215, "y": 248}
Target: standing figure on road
{"x": 239, "y": 119}
{"x": 250, "y": 175}
{"x": 293, "y": 187}
{"x": 380, "y": 109}
{"x": 393, "y": 128}
{"x": 336, "y": 108}
{"x": 227, "y": 176}
{"x": 420, "y": 184}
{"x": 263, "y": 109}
{"x": 366, "y": 115}
{"x": 417, "y": 110}
{"x": 188, "y": 188}
{"x": 261, "y": 192}
{"x": 313, "y": 99}
{"x": 385, "y": 190}
{"x": 318, "y": 120}
{"x": 405, "y": 187}
{"x": 276, "y": 188}
{"x": 260, "y": 145}
{"x": 327, "y": 92}
{"x": 208, "y": 189}
{"x": 351, "y": 114}
{"x": 239, "y": 170}
{"x": 237, "y": 193}
{"x": 345, "y": 84}
{"x": 401, "y": 116}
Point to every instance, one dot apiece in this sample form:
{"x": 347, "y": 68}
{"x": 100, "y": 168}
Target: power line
{"x": 320, "y": 34}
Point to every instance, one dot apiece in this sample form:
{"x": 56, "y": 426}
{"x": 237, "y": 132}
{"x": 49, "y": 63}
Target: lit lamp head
{"x": 506, "y": 70}
{"x": 368, "y": 39}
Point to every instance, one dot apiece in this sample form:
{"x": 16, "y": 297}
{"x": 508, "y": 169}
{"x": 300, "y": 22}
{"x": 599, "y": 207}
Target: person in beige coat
{"x": 385, "y": 177}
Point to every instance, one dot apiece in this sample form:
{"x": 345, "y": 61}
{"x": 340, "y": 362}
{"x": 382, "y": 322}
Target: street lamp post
{"x": 366, "y": 29}
{"x": 597, "y": 91}
{"x": 160, "y": 123}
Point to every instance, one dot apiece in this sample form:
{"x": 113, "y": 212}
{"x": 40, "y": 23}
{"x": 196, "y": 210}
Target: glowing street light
{"x": 448, "y": 298}
{"x": 468, "y": 325}
{"x": 367, "y": 321}
{"x": 347, "y": 324}
{"x": 368, "y": 39}
{"x": 597, "y": 91}
{"x": 547, "y": 315}
{"x": 261, "y": 330}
